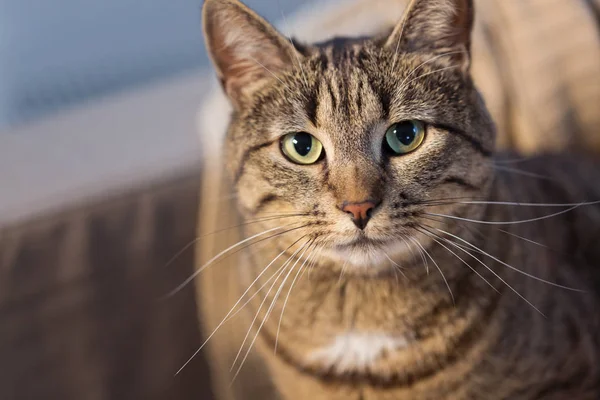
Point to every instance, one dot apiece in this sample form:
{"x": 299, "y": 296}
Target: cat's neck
{"x": 353, "y": 324}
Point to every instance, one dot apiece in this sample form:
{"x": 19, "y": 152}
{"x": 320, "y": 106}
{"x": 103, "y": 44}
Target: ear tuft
{"x": 435, "y": 26}
{"x": 245, "y": 49}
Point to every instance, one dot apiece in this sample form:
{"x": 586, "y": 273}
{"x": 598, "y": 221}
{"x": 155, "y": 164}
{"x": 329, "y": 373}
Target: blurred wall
{"x": 57, "y": 53}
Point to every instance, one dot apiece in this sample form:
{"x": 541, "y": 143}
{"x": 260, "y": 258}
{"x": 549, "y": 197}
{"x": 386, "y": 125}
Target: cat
{"x": 395, "y": 256}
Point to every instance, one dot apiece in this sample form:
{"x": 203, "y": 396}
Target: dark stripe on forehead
{"x": 323, "y": 61}
{"x": 240, "y": 170}
{"x": 382, "y": 95}
{"x": 384, "y": 100}
{"x": 344, "y": 92}
{"x": 359, "y": 91}
{"x": 338, "y": 53}
{"x": 332, "y": 95}
{"x": 312, "y": 104}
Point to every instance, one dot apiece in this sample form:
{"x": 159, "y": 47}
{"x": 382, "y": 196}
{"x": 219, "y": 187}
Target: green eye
{"x": 301, "y": 148}
{"x": 404, "y": 137}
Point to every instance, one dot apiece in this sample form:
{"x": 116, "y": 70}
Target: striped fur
{"x": 472, "y": 326}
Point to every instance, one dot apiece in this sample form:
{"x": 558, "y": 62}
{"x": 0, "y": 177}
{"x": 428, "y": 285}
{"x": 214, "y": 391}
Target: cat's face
{"x": 353, "y": 143}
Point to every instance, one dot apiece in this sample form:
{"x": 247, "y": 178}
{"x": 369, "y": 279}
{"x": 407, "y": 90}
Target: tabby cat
{"x": 388, "y": 255}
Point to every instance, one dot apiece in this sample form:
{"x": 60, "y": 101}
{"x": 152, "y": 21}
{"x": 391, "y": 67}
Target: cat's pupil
{"x": 405, "y": 132}
{"x": 302, "y": 143}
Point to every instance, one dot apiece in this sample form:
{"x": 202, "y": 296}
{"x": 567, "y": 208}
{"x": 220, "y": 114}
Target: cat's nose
{"x": 360, "y": 212}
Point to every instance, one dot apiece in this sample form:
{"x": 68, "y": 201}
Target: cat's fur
{"x": 460, "y": 322}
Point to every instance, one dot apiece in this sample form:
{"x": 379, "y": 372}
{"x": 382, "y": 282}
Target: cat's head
{"x": 351, "y": 145}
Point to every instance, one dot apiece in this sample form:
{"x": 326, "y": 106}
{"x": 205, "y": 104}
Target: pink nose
{"x": 361, "y": 212}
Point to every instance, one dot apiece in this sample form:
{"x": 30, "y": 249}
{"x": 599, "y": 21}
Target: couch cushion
{"x": 80, "y": 314}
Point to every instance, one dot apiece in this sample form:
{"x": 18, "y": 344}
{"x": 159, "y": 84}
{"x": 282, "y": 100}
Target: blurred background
{"x": 58, "y": 54}
{"x": 100, "y": 170}
{"x": 99, "y": 178}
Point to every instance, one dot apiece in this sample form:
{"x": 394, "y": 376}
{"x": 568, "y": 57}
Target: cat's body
{"x": 388, "y": 338}
{"x": 436, "y": 272}
{"x": 391, "y": 338}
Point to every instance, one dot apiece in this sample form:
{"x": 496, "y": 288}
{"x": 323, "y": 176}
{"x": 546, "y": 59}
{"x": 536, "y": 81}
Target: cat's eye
{"x": 404, "y": 137}
{"x": 301, "y": 148}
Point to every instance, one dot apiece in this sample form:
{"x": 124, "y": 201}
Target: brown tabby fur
{"x": 481, "y": 314}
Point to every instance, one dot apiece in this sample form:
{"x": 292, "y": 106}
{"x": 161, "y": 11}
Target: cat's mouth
{"x": 364, "y": 242}
{"x": 366, "y": 253}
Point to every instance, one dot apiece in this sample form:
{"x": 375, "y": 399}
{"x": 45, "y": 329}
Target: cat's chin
{"x": 371, "y": 257}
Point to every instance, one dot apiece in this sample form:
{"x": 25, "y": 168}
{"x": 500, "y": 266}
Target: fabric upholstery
{"x": 81, "y": 314}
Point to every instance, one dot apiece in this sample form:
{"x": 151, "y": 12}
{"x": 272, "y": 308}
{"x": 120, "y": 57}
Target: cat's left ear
{"x": 436, "y": 26}
{"x": 245, "y": 49}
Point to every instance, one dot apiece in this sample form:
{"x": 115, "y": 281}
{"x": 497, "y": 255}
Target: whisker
{"x": 523, "y": 173}
{"x": 411, "y": 73}
{"x": 398, "y": 44}
{"x": 276, "y": 275}
{"x": 478, "y": 232}
{"x": 444, "y": 201}
{"x": 283, "y": 269}
{"x": 423, "y": 258}
{"x": 268, "y": 313}
{"x": 495, "y": 274}
{"x": 195, "y": 240}
{"x": 438, "y": 268}
{"x": 510, "y": 266}
{"x": 522, "y": 204}
{"x": 433, "y": 237}
{"x": 289, "y": 292}
{"x": 268, "y": 70}
{"x": 432, "y": 72}
{"x": 227, "y": 250}
{"x": 395, "y": 265}
{"x": 522, "y": 221}
{"x": 314, "y": 261}
{"x": 289, "y": 38}
{"x": 342, "y": 271}
{"x": 226, "y": 318}
{"x": 527, "y": 240}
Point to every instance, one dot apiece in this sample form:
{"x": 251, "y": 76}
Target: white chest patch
{"x": 356, "y": 351}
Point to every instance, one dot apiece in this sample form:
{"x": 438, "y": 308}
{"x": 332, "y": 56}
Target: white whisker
{"x": 440, "y": 270}
{"x": 282, "y": 268}
{"x": 426, "y": 62}
{"x": 423, "y": 258}
{"x": 432, "y": 72}
{"x": 289, "y": 292}
{"x": 218, "y": 256}
{"x": 313, "y": 263}
{"x": 524, "y": 173}
{"x": 398, "y": 44}
{"x": 522, "y": 221}
{"x": 275, "y": 297}
{"x": 226, "y": 318}
{"x": 524, "y": 238}
{"x": 495, "y": 274}
{"x": 431, "y": 235}
{"x": 289, "y": 38}
{"x": 511, "y": 203}
{"x": 268, "y": 70}
{"x": 508, "y": 265}
{"x": 396, "y": 266}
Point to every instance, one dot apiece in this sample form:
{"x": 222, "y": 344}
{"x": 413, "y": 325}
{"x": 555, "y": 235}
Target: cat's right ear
{"x": 436, "y": 26}
{"x": 245, "y": 49}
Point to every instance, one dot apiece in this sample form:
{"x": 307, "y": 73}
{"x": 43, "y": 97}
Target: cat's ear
{"x": 438, "y": 26}
{"x": 245, "y": 49}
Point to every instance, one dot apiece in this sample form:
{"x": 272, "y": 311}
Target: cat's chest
{"x": 352, "y": 351}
